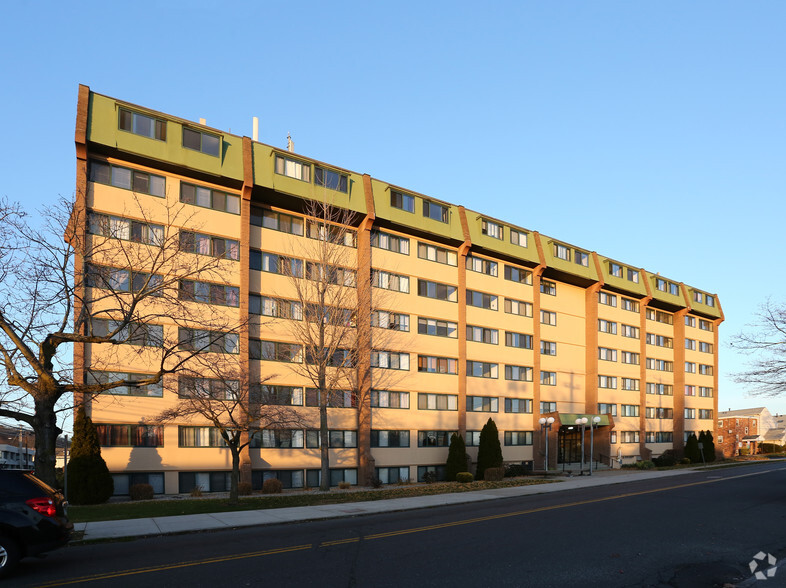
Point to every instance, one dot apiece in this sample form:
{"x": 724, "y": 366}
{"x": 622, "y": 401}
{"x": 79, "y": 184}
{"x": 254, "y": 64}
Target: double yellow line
{"x": 472, "y": 521}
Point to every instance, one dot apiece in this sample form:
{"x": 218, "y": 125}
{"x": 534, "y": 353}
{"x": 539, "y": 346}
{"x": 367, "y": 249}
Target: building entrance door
{"x": 569, "y": 445}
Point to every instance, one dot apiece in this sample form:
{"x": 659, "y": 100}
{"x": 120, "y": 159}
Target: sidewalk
{"x": 248, "y": 518}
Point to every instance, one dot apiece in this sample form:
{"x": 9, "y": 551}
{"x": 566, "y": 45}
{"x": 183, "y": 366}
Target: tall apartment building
{"x": 483, "y": 318}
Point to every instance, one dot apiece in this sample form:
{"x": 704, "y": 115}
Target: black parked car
{"x": 32, "y": 518}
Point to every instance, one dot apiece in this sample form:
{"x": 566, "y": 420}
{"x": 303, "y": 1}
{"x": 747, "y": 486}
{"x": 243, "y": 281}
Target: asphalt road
{"x": 700, "y": 529}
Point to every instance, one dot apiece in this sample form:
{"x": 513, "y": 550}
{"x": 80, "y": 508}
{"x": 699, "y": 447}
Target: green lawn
{"x": 166, "y": 507}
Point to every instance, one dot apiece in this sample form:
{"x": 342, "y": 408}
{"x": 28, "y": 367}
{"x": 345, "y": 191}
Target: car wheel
{"x": 9, "y": 555}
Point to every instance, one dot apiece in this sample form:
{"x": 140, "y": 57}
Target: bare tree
{"x": 220, "y": 393}
{"x": 765, "y": 344}
{"x": 104, "y": 282}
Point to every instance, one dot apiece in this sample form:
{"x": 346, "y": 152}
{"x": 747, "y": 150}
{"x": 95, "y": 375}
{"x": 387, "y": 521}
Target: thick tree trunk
{"x": 233, "y": 478}
{"x": 46, "y": 433}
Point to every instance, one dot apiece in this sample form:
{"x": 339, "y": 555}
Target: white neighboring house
{"x": 11, "y": 458}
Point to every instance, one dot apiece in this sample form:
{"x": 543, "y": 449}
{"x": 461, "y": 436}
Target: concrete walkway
{"x": 247, "y": 518}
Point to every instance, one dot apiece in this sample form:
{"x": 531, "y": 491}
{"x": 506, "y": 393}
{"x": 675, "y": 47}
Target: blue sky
{"x": 652, "y": 132}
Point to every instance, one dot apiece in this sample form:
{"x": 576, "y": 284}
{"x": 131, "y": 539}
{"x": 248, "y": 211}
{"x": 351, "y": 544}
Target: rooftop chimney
{"x": 202, "y": 121}
{"x": 290, "y": 143}
{"x": 255, "y": 128}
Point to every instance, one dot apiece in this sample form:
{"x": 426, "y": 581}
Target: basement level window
{"x": 141, "y": 124}
{"x": 201, "y": 141}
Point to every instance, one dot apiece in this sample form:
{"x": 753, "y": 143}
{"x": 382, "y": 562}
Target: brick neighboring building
{"x": 737, "y": 429}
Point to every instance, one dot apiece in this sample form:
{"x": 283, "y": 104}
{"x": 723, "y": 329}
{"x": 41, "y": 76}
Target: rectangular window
{"x": 390, "y": 360}
{"x": 630, "y": 384}
{"x": 517, "y": 274}
{"x": 513, "y": 438}
{"x": 548, "y": 378}
{"x": 607, "y": 299}
{"x": 705, "y": 347}
{"x": 209, "y": 198}
{"x": 520, "y": 340}
{"x": 434, "y": 438}
{"x": 518, "y": 405}
{"x": 207, "y": 293}
{"x": 705, "y": 413}
{"x": 482, "y": 404}
{"x": 633, "y": 275}
{"x": 660, "y": 389}
{"x": 211, "y": 388}
{"x": 547, "y": 287}
{"x": 630, "y": 331}
{"x": 629, "y": 410}
{"x": 277, "y": 221}
{"x": 151, "y": 390}
{"x": 437, "y": 401}
{"x": 201, "y": 141}
{"x": 606, "y": 408}
{"x": 331, "y": 274}
{"x": 141, "y": 124}
{"x": 629, "y": 436}
{"x": 548, "y": 348}
{"x": 390, "y": 320}
{"x": 275, "y": 307}
{"x": 389, "y": 399}
{"x": 491, "y": 229}
{"x": 482, "y": 266}
{"x": 437, "y": 328}
{"x": 630, "y": 357}
{"x": 690, "y": 413}
{"x": 606, "y": 354}
{"x": 437, "y": 365}
{"x": 690, "y": 321}
{"x": 709, "y": 300}
{"x": 389, "y": 438}
{"x": 127, "y": 179}
{"x": 607, "y": 382}
{"x": 660, "y": 316}
{"x": 437, "y": 254}
{"x": 144, "y": 335}
{"x": 581, "y": 258}
{"x": 690, "y": 390}
{"x": 659, "y": 437}
{"x": 615, "y": 269}
{"x": 330, "y": 179}
{"x": 394, "y": 243}
{"x": 275, "y": 351}
{"x": 652, "y": 412}
{"x": 660, "y": 365}
{"x": 437, "y": 291}
{"x": 208, "y": 341}
{"x": 402, "y": 201}
{"x": 481, "y": 300}
{"x": 482, "y": 335}
{"x": 561, "y": 251}
{"x": 690, "y": 344}
{"x": 482, "y": 369}
{"x": 130, "y": 435}
{"x": 547, "y": 407}
{"x": 630, "y": 305}
{"x": 293, "y": 168}
{"x": 116, "y": 227}
{"x": 690, "y": 367}
{"x": 435, "y": 211}
{"x": 705, "y": 392}
{"x": 705, "y": 370}
{"x": 472, "y": 438}
{"x": 331, "y": 233}
{"x": 548, "y": 317}
{"x": 518, "y": 373}
{"x": 518, "y": 237}
{"x": 276, "y": 395}
{"x": 659, "y": 340}
{"x": 275, "y": 264}
{"x": 210, "y": 245}
{"x": 278, "y": 439}
{"x": 518, "y": 307}
{"x": 389, "y": 281}
{"x": 335, "y": 398}
{"x": 605, "y": 326}
{"x": 199, "y": 437}
{"x": 120, "y": 280}
{"x": 705, "y": 325}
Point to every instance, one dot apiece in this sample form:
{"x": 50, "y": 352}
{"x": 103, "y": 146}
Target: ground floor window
{"x": 124, "y": 481}
{"x": 393, "y": 475}
{"x": 314, "y": 477}
{"x": 205, "y": 481}
{"x": 288, "y": 478}
{"x": 437, "y": 470}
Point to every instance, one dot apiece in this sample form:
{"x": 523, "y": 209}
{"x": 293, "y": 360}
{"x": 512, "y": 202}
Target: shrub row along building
{"x": 467, "y": 317}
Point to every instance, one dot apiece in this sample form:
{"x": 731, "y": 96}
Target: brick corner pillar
{"x": 591, "y": 348}
{"x": 246, "y": 466}
{"x": 678, "y": 420}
